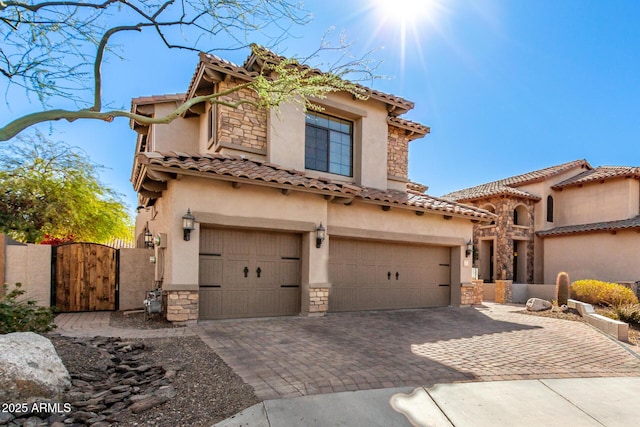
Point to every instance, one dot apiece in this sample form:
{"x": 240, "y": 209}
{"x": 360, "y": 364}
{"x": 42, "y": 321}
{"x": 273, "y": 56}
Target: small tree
{"x": 55, "y": 51}
{"x": 49, "y": 188}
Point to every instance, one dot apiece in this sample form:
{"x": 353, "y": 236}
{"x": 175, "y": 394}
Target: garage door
{"x": 248, "y": 274}
{"x": 368, "y": 275}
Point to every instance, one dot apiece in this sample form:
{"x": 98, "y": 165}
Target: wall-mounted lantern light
{"x": 148, "y": 238}
{"x": 469, "y": 248}
{"x": 320, "y": 235}
{"x": 188, "y": 224}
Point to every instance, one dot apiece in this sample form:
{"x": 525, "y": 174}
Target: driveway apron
{"x": 294, "y": 356}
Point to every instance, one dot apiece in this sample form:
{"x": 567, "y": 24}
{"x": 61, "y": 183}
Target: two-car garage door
{"x": 249, "y": 273}
{"x": 371, "y": 275}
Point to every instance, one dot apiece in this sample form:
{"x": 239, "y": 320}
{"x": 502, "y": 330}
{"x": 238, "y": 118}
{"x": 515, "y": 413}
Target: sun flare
{"x": 405, "y": 11}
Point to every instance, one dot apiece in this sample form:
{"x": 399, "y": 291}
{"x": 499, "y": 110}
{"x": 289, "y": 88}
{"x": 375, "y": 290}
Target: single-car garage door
{"x": 247, "y": 273}
{"x": 371, "y": 275}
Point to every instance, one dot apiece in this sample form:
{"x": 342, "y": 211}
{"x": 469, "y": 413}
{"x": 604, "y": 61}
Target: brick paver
{"x": 289, "y": 357}
{"x": 96, "y": 324}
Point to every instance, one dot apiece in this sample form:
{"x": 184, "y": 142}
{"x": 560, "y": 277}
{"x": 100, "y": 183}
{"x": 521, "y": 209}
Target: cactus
{"x": 562, "y": 288}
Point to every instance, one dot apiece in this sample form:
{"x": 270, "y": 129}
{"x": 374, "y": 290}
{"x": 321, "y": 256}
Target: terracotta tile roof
{"x": 239, "y": 169}
{"x": 507, "y": 186}
{"x": 422, "y": 201}
{"x": 155, "y": 99}
{"x": 409, "y": 125}
{"x": 398, "y": 104}
{"x": 242, "y": 169}
{"x": 624, "y": 224}
{"x": 600, "y": 173}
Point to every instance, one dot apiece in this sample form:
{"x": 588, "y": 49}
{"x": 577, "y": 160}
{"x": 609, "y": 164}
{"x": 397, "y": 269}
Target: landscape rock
{"x": 30, "y": 367}
{"x": 538, "y": 304}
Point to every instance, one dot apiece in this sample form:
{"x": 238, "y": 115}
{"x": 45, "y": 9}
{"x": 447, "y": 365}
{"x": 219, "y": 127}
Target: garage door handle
{"x": 258, "y": 271}
{"x": 397, "y": 275}
{"x": 246, "y": 272}
{"x": 388, "y": 275}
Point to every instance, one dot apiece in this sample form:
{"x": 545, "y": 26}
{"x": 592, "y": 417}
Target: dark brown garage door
{"x": 368, "y": 275}
{"x": 247, "y": 273}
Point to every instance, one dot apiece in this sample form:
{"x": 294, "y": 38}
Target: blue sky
{"x": 506, "y": 86}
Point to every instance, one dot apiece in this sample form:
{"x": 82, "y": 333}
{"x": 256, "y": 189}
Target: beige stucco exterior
{"x": 600, "y": 256}
{"x": 224, "y": 195}
{"x": 598, "y": 202}
{"x": 591, "y": 232}
{"x": 30, "y": 265}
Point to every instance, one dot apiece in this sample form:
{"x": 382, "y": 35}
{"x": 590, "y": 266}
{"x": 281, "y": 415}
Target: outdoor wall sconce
{"x": 148, "y": 239}
{"x": 469, "y": 249}
{"x": 320, "y": 235}
{"x": 188, "y": 224}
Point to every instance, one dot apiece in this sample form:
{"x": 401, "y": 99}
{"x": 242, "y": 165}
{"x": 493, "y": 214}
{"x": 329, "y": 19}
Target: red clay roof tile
{"x": 625, "y": 224}
{"x": 213, "y": 165}
{"x": 507, "y": 186}
{"x": 600, "y": 173}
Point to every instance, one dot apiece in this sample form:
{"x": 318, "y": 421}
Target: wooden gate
{"x": 85, "y": 277}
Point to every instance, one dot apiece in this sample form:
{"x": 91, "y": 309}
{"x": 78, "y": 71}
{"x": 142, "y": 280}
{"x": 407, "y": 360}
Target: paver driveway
{"x": 289, "y": 357}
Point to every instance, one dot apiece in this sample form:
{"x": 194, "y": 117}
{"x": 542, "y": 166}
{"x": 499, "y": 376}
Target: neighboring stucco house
{"x": 569, "y": 217}
{"x": 263, "y": 186}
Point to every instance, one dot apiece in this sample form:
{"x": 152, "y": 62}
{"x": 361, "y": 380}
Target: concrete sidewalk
{"x": 555, "y": 402}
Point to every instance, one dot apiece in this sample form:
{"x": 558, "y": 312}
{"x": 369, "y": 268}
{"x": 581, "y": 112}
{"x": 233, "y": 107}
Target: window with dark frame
{"x": 328, "y": 144}
{"x": 549, "y": 209}
{"x": 211, "y": 125}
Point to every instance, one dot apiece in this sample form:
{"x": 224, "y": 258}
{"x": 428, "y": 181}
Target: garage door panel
{"x": 289, "y": 300}
{"x": 210, "y": 303}
{"x": 289, "y": 272}
{"x": 210, "y": 270}
{"x": 405, "y": 275}
{"x": 236, "y": 272}
{"x": 236, "y": 302}
{"x": 245, "y": 255}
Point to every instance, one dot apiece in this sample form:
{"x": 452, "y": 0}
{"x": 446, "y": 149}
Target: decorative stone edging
{"x": 615, "y": 328}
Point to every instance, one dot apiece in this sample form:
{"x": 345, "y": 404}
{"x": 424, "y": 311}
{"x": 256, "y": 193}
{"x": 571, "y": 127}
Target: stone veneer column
{"x": 504, "y": 291}
{"x": 318, "y": 301}
{"x": 182, "y": 306}
{"x": 478, "y": 291}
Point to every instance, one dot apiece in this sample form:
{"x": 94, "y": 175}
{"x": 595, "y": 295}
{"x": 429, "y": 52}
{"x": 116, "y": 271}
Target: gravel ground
{"x": 572, "y": 314}
{"x": 208, "y": 391}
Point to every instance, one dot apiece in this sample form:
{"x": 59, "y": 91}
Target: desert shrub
{"x": 562, "y": 288}
{"x": 602, "y": 293}
{"x": 629, "y": 313}
{"x": 18, "y": 315}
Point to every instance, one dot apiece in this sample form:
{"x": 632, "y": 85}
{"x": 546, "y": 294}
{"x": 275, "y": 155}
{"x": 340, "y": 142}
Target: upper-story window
{"x": 549, "y": 209}
{"x": 211, "y": 125}
{"x": 328, "y": 144}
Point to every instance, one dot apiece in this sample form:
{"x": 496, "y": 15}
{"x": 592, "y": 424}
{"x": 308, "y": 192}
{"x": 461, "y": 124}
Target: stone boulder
{"x": 537, "y": 304}
{"x": 30, "y": 367}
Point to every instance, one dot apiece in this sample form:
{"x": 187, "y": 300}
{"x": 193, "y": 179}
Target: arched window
{"x": 489, "y": 207}
{"x": 520, "y": 215}
{"x": 549, "y": 208}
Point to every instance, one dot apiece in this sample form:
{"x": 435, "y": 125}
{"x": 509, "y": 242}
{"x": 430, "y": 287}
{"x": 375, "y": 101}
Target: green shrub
{"x": 602, "y": 293}
{"x": 23, "y": 316}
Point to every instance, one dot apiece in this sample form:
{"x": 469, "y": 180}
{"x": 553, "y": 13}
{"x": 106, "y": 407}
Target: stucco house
{"x": 295, "y": 212}
{"x": 570, "y": 217}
